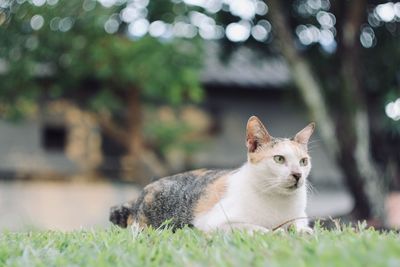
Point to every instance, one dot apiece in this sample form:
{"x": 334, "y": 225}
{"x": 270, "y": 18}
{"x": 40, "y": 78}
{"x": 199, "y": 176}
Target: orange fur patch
{"x": 199, "y": 172}
{"x": 214, "y": 192}
{"x": 260, "y": 154}
{"x": 257, "y": 157}
{"x": 130, "y": 220}
{"x": 141, "y": 220}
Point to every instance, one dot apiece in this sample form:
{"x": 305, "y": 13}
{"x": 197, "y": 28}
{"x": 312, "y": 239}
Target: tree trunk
{"x": 132, "y": 164}
{"x": 303, "y": 77}
{"x": 351, "y": 146}
{"x": 362, "y": 170}
{"x": 140, "y": 164}
{"x": 134, "y": 120}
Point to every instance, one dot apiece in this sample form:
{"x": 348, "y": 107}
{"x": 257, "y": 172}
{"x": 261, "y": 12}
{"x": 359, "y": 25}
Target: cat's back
{"x": 178, "y": 197}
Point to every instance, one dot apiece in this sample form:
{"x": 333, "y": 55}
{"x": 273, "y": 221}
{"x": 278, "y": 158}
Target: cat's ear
{"x": 256, "y": 134}
{"x": 304, "y": 135}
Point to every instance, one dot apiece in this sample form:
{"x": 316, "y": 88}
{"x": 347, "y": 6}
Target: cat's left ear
{"x": 304, "y": 135}
{"x": 257, "y": 134}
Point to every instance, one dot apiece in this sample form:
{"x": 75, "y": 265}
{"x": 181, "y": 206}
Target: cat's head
{"x": 279, "y": 164}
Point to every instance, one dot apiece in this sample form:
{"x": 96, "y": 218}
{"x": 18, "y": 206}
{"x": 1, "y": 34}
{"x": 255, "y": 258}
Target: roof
{"x": 244, "y": 68}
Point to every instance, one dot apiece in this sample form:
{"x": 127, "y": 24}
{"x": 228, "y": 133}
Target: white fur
{"x": 258, "y": 196}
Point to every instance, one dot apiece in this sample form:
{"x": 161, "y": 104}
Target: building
{"x": 65, "y": 141}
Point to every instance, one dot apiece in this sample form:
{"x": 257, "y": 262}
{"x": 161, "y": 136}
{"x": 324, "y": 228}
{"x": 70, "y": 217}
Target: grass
{"x": 187, "y": 247}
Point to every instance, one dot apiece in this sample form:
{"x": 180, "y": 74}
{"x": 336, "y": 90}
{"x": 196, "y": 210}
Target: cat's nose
{"x": 296, "y": 175}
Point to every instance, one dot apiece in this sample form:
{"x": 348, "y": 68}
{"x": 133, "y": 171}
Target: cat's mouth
{"x": 295, "y": 186}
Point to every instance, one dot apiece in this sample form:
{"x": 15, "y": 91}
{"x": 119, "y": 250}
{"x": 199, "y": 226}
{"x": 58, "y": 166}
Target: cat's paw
{"x": 280, "y": 230}
{"x": 305, "y": 230}
{"x": 248, "y": 228}
{"x": 257, "y": 230}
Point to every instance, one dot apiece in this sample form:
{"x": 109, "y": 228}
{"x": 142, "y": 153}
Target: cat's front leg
{"x": 305, "y": 230}
{"x": 248, "y": 227}
{"x": 301, "y": 226}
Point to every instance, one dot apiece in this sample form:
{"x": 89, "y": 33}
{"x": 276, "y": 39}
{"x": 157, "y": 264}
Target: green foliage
{"x": 70, "y": 55}
{"x": 169, "y": 130}
{"x": 176, "y": 135}
{"x": 167, "y": 135}
{"x": 188, "y": 247}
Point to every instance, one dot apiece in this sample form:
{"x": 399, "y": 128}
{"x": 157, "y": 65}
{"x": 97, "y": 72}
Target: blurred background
{"x": 100, "y": 97}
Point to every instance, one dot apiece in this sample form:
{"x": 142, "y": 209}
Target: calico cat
{"x": 266, "y": 192}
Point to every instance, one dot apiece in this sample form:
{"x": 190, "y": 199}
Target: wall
{"x": 21, "y": 150}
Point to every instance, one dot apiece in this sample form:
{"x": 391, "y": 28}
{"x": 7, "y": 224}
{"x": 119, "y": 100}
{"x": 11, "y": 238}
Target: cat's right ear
{"x": 256, "y": 134}
{"x": 304, "y": 135}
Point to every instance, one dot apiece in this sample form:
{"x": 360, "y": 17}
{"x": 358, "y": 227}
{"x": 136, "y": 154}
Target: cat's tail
{"x": 122, "y": 215}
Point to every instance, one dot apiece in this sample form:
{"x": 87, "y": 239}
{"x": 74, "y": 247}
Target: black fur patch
{"x": 119, "y": 215}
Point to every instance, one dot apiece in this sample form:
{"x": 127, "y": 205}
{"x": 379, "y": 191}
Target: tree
{"x": 91, "y": 54}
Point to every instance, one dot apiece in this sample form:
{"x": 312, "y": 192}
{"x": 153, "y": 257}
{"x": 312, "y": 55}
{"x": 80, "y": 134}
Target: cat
{"x": 267, "y": 192}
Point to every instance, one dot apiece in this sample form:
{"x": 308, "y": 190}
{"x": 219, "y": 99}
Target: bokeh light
{"x": 186, "y": 30}
{"x": 386, "y": 12}
{"x": 129, "y": 14}
{"x": 238, "y": 31}
{"x": 3, "y": 66}
{"x": 108, "y": 3}
{"x": 38, "y": 2}
{"x": 88, "y": 5}
{"x": 157, "y": 28}
{"x": 65, "y": 24}
{"x": 326, "y": 19}
{"x": 111, "y": 26}
{"x": 307, "y": 34}
{"x": 259, "y": 33}
{"x": 246, "y": 9}
{"x": 32, "y": 42}
{"x": 367, "y": 37}
{"x": 52, "y": 2}
{"x": 261, "y": 8}
{"x": 138, "y": 28}
{"x": 37, "y": 22}
{"x": 392, "y": 110}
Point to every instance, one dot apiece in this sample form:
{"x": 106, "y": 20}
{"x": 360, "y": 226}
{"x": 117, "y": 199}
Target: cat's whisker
{"x": 270, "y": 187}
{"x": 311, "y": 148}
{"x": 310, "y": 188}
{"x": 267, "y": 182}
{"x": 314, "y": 141}
{"x": 312, "y": 144}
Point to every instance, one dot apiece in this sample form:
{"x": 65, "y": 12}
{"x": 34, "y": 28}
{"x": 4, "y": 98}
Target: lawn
{"x": 187, "y": 247}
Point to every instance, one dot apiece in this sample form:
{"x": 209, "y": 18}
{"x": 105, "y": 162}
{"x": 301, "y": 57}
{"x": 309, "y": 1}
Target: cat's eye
{"x": 279, "y": 159}
{"x": 304, "y": 162}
